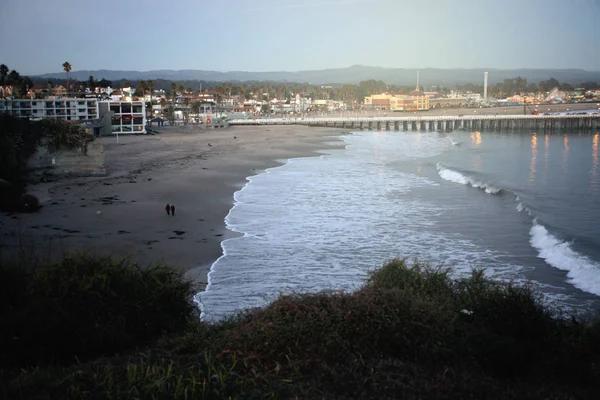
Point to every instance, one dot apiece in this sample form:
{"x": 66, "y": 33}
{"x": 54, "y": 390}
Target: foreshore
{"x": 123, "y": 213}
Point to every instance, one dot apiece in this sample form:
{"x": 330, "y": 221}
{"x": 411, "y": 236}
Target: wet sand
{"x": 124, "y": 213}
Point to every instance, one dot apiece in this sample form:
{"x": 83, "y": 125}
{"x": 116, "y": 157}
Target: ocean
{"x": 524, "y": 207}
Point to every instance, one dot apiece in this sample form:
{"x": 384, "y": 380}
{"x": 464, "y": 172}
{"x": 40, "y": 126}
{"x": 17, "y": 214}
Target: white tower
{"x": 417, "y": 88}
{"x": 485, "y": 77}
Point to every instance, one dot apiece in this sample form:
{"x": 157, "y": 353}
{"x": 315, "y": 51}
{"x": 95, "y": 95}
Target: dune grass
{"x": 96, "y": 328}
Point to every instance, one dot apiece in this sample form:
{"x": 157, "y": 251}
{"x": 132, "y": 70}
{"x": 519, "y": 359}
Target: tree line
{"x": 268, "y": 90}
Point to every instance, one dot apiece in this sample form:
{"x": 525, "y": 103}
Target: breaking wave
{"x": 582, "y": 272}
{"x": 457, "y": 177}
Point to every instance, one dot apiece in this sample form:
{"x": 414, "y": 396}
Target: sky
{"x": 38, "y": 36}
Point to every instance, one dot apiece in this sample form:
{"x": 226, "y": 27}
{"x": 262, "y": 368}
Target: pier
{"x": 537, "y": 123}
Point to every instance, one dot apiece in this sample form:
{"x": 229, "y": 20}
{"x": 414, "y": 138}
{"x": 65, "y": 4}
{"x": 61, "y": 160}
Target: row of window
{"x": 127, "y": 121}
{"x": 127, "y": 128}
{"x": 126, "y": 109}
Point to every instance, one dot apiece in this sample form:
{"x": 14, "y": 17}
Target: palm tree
{"x": 149, "y": 85}
{"x": 67, "y": 68}
{"x": 3, "y": 72}
{"x": 142, "y": 87}
{"x": 174, "y": 94}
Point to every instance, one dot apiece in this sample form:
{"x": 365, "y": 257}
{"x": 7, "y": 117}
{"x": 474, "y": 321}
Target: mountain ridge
{"x": 352, "y": 74}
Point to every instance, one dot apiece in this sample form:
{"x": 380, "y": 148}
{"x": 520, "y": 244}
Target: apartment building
{"x": 68, "y": 109}
{"x": 126, "y": 116}
{"x": 122, "y": 116}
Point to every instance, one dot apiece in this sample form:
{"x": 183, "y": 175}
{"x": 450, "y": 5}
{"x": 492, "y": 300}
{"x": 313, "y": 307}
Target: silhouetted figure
{"x": 169, "y": 208}
{"x": 173, "y": 209}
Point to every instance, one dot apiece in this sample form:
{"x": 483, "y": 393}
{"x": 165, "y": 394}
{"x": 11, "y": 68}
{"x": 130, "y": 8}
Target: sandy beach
{"x": 123, "y": 213}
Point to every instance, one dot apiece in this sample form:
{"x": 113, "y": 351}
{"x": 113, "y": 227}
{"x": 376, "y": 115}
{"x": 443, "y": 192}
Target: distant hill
{"x": 353, "y": 74}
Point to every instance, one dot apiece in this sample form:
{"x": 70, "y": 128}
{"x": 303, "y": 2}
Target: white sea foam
{"x": 322, "y": 223}
{"x": 582, "y": 272}
{"x": 457, "y": 177}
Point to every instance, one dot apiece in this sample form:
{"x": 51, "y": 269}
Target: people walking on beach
{"x": 173, "y": 209}
{"x": 168, "y": 208}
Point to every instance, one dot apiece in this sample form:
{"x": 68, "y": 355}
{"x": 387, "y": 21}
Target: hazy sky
{"x": 37, "y": 36}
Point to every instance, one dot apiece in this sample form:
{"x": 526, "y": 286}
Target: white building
{"x": 68, "y": 109}
{"x": 127, "y": 117}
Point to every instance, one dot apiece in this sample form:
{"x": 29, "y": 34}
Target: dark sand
{"x": 124, "y": 213}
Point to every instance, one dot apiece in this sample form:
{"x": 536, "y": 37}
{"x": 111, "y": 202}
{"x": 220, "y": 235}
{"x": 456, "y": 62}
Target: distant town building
{"x": 6, "y": 91}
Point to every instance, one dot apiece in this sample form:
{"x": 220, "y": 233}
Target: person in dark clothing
{"x": 168, "y": 208}
{"x": 173, "y": 209}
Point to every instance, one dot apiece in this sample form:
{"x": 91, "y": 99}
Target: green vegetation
{"x": 19, "y": 139}
{"x": 95, "y": 328}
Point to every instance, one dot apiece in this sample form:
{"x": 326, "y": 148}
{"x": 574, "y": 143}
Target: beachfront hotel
{"x": 106, "y": 117}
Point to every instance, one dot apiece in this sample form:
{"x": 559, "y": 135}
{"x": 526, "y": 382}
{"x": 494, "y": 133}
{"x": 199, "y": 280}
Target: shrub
{"x": 84, "y": 307}
{"x": 410, "y": 332}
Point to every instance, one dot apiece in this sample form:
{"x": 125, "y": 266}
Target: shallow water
{"x": 522, "y": 206}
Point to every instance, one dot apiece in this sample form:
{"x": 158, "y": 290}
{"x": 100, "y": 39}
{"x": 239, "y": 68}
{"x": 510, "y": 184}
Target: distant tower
{"x": 417, "y": 88}
{"x": 485, "y": 76}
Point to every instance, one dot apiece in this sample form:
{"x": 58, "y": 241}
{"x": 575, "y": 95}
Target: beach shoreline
{"x": 123, "y": 213}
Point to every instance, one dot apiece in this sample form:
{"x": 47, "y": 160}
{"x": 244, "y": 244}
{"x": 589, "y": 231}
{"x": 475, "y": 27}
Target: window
{"x": 138, "y": 121}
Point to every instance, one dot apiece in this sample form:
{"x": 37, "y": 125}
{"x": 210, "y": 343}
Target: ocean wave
{"x": 457, "y": 177}
{"x": 582, "y": 272}
{"x": 522, "y": 207}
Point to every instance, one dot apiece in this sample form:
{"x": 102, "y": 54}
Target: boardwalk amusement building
{"x": 415, "y": 101}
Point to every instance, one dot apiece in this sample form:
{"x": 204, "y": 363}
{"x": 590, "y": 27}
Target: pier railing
{"x": 477, "y": 122}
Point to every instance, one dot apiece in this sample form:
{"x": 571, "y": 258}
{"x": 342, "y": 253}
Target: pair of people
{"x": 170, "y": 208}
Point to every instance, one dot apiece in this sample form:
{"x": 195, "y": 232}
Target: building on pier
{"x": 415, "y": 101}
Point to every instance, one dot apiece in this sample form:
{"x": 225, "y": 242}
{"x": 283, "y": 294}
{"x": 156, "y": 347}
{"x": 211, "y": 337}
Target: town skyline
{"x": 298, "y": 36}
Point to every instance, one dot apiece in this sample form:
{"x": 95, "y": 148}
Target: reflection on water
{"x": 533, "y": 156}
{"x": 565, "y": 151}
{"x": 594, "y": 170}
{"x": 476, "y": 138}
{"x": 546, "y": 154}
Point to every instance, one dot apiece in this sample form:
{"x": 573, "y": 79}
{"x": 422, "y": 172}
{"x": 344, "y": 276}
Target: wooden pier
{"x": 536, "y": 123}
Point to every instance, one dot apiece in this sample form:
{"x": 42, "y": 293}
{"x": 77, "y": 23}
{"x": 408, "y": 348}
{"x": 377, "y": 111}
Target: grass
{"x": 121, "y": 332}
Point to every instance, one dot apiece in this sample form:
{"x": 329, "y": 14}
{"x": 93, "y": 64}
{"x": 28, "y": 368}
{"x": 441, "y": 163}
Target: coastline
{"x": 123, "y": 213}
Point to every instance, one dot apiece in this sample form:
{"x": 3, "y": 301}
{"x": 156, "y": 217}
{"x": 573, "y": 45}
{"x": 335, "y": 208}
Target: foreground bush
{"x": 410, "y": 332}
{"x": 84, "y": 307}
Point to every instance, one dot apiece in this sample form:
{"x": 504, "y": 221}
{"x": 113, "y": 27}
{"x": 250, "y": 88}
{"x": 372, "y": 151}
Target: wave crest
{"x": 582, "y": 273}
{"x": 457, "y": 177}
